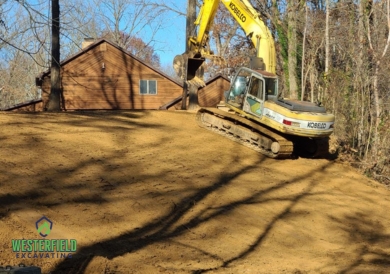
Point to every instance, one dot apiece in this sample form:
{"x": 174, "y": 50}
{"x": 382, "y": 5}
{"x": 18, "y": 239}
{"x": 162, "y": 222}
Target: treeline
{"x": 333, "y": 52}
{"x": 346, "y": 65}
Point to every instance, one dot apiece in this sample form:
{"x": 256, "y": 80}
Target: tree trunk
{"x": 191, "y": 17}
{"x": 377, "y": 105}
{"x": 303, "y": 56}
{"x": 375, "y": 62}
{"x": 326, "y": 50}
{"x": 292, "y": 49}
{"x": 190, "y": 28}
{"x": 54, "y": 103}
{"x": 281, "y": 48}
{"x": 359, "y": 82}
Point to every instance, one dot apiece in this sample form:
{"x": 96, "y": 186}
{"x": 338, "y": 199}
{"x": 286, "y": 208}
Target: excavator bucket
{"x": 193, "y": 64}
{"x": 186, "y": 68}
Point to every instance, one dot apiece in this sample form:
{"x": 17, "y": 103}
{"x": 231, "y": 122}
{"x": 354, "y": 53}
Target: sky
{"x": 172, "y": 40}
{"x": 167, "y": 42}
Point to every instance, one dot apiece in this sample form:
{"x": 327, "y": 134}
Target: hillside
{"x": 151, "y": 192}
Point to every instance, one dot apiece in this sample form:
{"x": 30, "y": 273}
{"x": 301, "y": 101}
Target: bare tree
{"x": 230, "y": 42}
{"x": 292, "y": 10}
{"x": 303, "y": 54}
{"x": 190, "y": 31}
{"x": 79, "y": 20}
{"x": 54, "y": 103}
{"x": 327, "y": 43}
{"x": 137, "y": 19}
{"x": 378, "y": 51}
{"x": 137, "y": 47}
{"x": 22, "y": 57}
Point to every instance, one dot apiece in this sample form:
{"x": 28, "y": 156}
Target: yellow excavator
{"x": 257, "y": 116}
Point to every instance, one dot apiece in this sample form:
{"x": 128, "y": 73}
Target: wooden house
{"x": 103, "y": 76}
{"x": 213, "y": 93}
{"x": 208, "y": 96}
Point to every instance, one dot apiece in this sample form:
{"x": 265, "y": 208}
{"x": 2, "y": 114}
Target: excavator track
{"x": 245, "y": 132}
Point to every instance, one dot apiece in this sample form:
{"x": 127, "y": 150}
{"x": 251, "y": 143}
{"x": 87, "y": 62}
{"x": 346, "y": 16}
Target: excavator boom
{"x": 248, "y": 18}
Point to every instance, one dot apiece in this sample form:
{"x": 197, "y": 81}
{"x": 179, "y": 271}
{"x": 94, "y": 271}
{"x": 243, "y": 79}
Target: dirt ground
{"x": 151, "y": 192}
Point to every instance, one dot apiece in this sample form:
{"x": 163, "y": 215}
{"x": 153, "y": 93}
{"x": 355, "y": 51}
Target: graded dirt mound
{"x": 151, "y": 192}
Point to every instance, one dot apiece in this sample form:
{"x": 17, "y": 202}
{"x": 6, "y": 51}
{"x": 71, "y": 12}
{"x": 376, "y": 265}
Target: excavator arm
{"x": 247, "y": 17}
{"x": 249, "y": 20}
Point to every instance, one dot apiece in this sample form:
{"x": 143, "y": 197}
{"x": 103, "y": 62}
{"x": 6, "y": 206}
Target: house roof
{"x": 216, "y": 77}
{"x": 100, "y": 41}
{"x": 19, "y": 105}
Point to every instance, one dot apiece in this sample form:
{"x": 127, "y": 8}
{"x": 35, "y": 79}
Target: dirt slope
{"x": 151, "y": 192}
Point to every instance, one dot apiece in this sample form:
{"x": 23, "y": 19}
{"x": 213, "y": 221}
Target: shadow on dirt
{"x": 31, "y": 145}
{"x": 170, "y": 225}
{"x": 99, "y": 175}
{"x": 164, "y": 227}
{"x": 369, "y": 239}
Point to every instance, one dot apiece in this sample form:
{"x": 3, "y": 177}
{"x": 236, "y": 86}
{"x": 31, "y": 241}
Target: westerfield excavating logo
{"x": 44, "y": 248}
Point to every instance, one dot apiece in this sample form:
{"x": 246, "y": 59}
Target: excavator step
{"x": 222, "y": 106}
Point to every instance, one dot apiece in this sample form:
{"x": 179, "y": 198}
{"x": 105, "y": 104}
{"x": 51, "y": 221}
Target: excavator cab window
{"x": 237, "y": 91}
{"x": 271, "y": 86}
{"x": 256, "y": 88}
{"x": 238, "y": 88}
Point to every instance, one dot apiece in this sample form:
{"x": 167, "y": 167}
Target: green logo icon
{"x": 44, "y": 226}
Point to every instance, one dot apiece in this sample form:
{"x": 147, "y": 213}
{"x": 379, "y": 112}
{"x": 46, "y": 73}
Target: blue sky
{"x": 167, "y": 42}
{"x": 170, "y": 37}
{"x": 171, "y": 40}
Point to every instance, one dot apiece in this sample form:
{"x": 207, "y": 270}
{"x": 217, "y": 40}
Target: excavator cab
{"x": 250, "y": 88}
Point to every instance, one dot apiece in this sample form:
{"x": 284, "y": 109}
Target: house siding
{"x": 105, "y": 77}
{"x": 213, "y": 93}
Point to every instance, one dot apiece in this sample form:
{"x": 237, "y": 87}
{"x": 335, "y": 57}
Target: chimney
{"x": 87, "y": 42}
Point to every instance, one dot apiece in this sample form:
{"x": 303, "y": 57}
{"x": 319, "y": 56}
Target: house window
{"x": 148, "y": 87}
